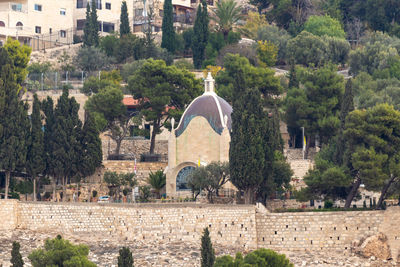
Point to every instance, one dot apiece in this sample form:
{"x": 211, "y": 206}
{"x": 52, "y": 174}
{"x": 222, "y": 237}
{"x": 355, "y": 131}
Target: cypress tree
{"x": 200, "y": 36}
{"x": 14, "y": 122}
{"x": 87, "y": 39}
{"x": 346, "y": 107}
{"x": 246, "y": 153}
{"x": 49, "y": 136}
{"x": 16, "y": 257}
{"x": 35, "y": 164}
{"x": 124, "y": 27}
{"x": 94, "y": 25}
{"x": 91, "y": 147}
{"x": 207, "y": 251}
{"x": 168, "y": 32}
{"x": 125, "y": 258}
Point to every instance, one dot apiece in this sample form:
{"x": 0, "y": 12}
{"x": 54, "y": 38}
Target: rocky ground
{"x": 104, "y": 252}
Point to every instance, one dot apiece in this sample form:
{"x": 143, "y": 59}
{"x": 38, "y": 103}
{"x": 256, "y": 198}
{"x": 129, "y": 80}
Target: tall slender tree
{"x": 87, "y": 39}
{"x": 91, "y": 147}
{"x": 35, "y": 163}
{"x": 16, "y": 257}
{"x": 14, "y": 123}
{"x": 94, "y": 25}
{"x": 246, "y": 153}
{"x": 200, "y": 36}
{"x": 207, "y": 251}
{"x": 124, "y": 27}
{"x": 168, "y": 32}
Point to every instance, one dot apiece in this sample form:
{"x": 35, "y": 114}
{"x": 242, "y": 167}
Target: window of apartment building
{"x": 138, "y": 12}
{"x": 108, "y": 27}
{"x": 2, "y": 24}
{"x": 50, "y": 30}
{"x": 38, "y": 7}
{"x": 108, "y": 6}
{"x": 161, "y": 13}
{"x": 80, "y": 4}
{"x": 19, "y": 25}
{"x": 63, "y": 11}
{"x": 63, "y": 34}
{"x": 80, "y": 24}
{"x": 16, "y": 7}
{"x": 98, "y": 4}
{"x": 38, "y": 29}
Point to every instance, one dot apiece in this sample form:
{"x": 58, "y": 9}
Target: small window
{"x": 80, "y": 24}
{"x": 38, "y": 29}
{"x": 50, "y": 30}
{"x": 2, "y": 24}
{"x": 63, "y": 11}
{"x": 63, "y": 34}
{"x": 161, "y": 13}
{"x": 80, "y": 4}
{"x": 38, "y": 7}
{"x": 138, "y": 12}
{"x": 108, "y": 6}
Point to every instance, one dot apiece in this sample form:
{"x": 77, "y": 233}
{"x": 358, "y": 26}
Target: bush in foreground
{"x": 260, "y": 257}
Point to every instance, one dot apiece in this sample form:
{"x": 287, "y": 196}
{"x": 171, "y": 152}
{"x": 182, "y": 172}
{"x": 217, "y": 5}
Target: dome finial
{"x": 209, "y": 83}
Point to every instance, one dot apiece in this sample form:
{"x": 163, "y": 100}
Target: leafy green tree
{"x": 20, "y": 56}
{"x": 93, "y": 84}
{"x": 337, "y": 49}
{"x": 129, "y": 69}
{"x": 200, "y": 35}
{"x": 158, "y": 86}
{"x": 116, "y": 180}
{"x": 267, "y": 53}
{"x": 259, "y": 257}
{"x": 130, "y": 47}
{"x": 373, "y": 136}
{"x": 91, "y": 59}
{"x": 207, "y": 251}
{"x": 210, "y": 178}
{"x": 109, "y": 44}
{"x": 60, "y": 252}
{"x": 324, "y": 25}
{"x": 110, "y": 114}
{"x": 226, "y": 15}
{"x": 307, "y": 49}
{"x": 124, "y": 27}
{"x": 35, "y": 163}
{"x": 14, "y": 122}
{"x": 16, "y": 257}
{"x": 157, "y": 180}
{"x": 315, "y": 105}
{"x": 168, "y": 32}
{"x": 279, "y": 37}
{"x": 91, "y": 148}
{"x": 125, "y": 258}
{"x": 38, "y": 68}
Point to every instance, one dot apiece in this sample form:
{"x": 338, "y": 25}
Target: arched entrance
{"x": 182, "y": 178}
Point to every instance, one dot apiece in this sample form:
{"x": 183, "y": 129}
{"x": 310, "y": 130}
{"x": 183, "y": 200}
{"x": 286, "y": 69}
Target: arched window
{"x": 2, "y": 24}
{"x": 19, "y": 24}
{"x": 182, "y": 178}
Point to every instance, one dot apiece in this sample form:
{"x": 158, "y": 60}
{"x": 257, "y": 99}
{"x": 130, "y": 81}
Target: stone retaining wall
{"x": 134, "y": 147}
{"x": 243, "y": 227}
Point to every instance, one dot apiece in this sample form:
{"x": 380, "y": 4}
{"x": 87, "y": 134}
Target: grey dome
{"x": 210, "y": 106}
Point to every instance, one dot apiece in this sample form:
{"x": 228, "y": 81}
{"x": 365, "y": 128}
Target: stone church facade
{"x": 202, "y": 136}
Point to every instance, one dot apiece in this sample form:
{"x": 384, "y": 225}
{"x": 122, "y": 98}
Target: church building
{"x": 202, "y": 136}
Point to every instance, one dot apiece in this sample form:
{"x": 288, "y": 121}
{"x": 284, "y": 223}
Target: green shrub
{"x": 16, "y": 258}
{"x": 328, "y": 204}
{"x": 260, "y": 257}
{"x": 125, "y": 258}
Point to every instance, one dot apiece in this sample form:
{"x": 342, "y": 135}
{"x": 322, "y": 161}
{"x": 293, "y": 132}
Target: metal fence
{"x": 58, "y": 80}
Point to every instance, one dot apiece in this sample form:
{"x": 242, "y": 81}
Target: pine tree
{"x": 207, "y": 251}
{"x": 168, "y": 32}
{"x": 94, "y": 25}
{"x": 91, "y": 147}
{"x": 124, "y": 27}
{"x": 246, "y": 153}
{"x": 125, "y": 258}
{"x": 16, "y": 258}
{"x": 14, "y": 122}
{"x": 87, "y": 38}
{"x": 346, "y": 107}
{"x": 200, "y": 36}
{"x": 35, "y": 164}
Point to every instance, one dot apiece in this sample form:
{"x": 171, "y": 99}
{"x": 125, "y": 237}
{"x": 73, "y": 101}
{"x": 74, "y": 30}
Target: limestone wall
{"x": 229, "y": 225}
{"x": 240, "y": 226}
{"x": 316, "y": 230}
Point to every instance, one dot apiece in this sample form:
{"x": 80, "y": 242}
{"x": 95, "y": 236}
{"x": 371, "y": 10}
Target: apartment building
{"x": 44, "y": 24}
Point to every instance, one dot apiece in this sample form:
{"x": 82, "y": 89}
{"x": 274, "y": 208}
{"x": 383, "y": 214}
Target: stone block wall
{"x": 134, "y": 147}
{"x": 315, "y": 230}
{"x": 229, "y": 225}
{"x": 239, "y": 226}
